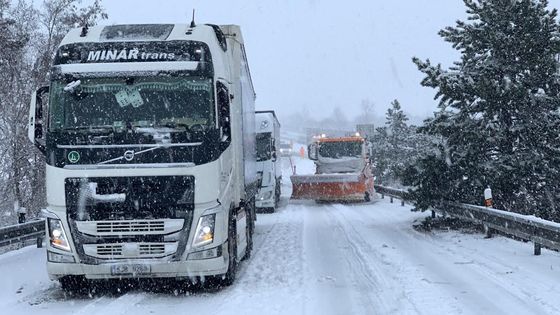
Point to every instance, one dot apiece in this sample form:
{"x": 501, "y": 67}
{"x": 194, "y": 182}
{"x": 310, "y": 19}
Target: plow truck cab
{"x": 343, "y": 171}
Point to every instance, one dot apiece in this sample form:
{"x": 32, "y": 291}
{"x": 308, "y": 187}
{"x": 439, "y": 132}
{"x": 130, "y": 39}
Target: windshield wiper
{"x": 90, "y": 128}
{"x": 176, "y": 125}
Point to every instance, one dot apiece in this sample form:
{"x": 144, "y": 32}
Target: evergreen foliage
{"x": 396, "y": 145}
{"x": 29, "y": 37}
{"x": 499, "y": 111}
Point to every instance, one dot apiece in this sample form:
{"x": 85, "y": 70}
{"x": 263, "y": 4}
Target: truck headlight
{"x": 204, "y": 233}
{"x": 57, "y": 235}
{"x": 265, "y": 195}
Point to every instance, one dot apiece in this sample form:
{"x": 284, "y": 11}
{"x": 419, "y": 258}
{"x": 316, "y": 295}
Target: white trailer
{"x": 149, "y": 138}
{"x": 268, "y": 163}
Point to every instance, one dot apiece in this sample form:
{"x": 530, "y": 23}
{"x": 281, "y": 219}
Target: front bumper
{"x": 157, "y": 268}
{"x": 181, "y": 262}
{"x": 268, "y": 202}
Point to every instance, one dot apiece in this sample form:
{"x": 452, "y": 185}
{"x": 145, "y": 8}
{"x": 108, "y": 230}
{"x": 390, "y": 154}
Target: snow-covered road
{"x": 329, "y": 259}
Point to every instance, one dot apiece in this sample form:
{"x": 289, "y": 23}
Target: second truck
{"x": 268, "y": 161}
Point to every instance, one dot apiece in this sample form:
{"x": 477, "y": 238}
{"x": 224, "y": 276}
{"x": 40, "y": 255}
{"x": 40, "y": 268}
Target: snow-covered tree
{"x": 499, "y": 110}
{"x": 29, "y": 37}
{"x": 395, "y": 146}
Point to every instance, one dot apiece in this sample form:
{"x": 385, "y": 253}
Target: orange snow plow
{"x": 343, "y": 171}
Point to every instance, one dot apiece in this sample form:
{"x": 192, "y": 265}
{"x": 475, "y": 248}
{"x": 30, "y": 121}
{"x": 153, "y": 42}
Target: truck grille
{"x": 152, "y": 249}
{"x": 109, "y": 250}
{"x": 130, "y": 250}
{"x": 129, "y": 198}
{"x": 130, "y": 227}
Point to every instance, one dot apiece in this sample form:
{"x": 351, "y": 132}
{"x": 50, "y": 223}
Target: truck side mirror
{"x": 273, "y": 148}
{"x": 223, "y": 110}
{"x": 35, "y": 126}
{"x": 312, "y": 152}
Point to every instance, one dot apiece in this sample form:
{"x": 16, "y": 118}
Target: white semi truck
{"x": 268, "y": 162}
{"x": 149, "y": 138}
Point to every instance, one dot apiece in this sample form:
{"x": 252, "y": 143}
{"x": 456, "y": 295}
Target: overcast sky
{"x": 322, "y": 54}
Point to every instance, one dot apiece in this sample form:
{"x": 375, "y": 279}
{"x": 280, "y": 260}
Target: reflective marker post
{"x": 488, "y": 202}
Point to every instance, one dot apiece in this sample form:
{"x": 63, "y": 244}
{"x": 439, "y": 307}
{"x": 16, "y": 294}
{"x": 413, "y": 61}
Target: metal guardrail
{"x": 33, "y": 230}
{"x": 529, "y": 228}
{"x": 392, "y": 193}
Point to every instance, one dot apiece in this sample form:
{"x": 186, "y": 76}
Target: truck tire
{"x": 229, "y": 277}
{"x": 367, "y": 197}
{"x": 75, "y": 284}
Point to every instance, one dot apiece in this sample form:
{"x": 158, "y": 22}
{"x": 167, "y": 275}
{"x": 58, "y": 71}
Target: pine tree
{"x": 391, "y": 145}
{"x": 28, "y": 40}
{"x": 499, "y": 110}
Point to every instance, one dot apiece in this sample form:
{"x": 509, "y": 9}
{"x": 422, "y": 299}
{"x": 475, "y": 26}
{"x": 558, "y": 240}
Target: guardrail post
{"x": 489, "y": 232}
{"x": 21, "y": 211}
{"x": 537, "y": 249}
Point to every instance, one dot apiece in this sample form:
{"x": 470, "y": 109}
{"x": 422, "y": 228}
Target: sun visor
{"x": 136, "y": 32}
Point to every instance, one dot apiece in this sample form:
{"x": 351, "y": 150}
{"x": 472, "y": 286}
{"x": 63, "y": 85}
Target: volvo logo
{"x": 129, "y": 155}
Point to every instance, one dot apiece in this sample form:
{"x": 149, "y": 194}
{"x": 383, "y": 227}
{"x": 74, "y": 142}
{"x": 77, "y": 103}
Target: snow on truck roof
{"x": 150, "y": 32}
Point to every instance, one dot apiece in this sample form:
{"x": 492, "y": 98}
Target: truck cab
{"x": 268, "y": 161}
{"x": 149, "y": 139}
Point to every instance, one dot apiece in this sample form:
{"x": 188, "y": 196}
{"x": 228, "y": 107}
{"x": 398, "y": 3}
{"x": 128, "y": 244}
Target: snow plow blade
{"x": 331, "y": 187}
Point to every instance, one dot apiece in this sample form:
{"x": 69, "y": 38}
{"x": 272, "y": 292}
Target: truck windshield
{"x": 264, "y": 146}
{"x": 132, "y": 101}
{"x": 338, "y": 150}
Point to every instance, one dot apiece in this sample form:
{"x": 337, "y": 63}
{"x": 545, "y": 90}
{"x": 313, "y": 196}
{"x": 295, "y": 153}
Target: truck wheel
{"x": 229, "y": 277}
{"x": 75, "y": 284}
{"x": 367, "y": 197}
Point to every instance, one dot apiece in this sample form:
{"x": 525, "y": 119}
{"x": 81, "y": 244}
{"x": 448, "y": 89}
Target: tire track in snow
{"x": 470, "y": 287}
{"x": 399, "y": 288}
{"x": 274, "y": 272}
{"x": 493, "y": 268}
{"x": 375, "y": 281}
{"x": 124, "y": 304}
{"x": 430, "y": 281}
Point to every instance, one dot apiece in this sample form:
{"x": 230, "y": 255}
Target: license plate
{"x": 130, "y": 269}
